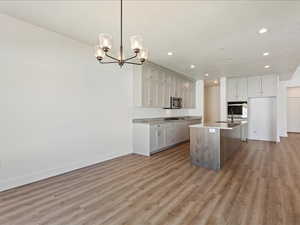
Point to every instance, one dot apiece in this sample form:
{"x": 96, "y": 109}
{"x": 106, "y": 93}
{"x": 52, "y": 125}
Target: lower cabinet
{"x": 151, "y": 138}
{"x": 157, "y": 137}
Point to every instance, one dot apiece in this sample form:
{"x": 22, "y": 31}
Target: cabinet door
{"x": 168, "y": 90}
{"x": 146, "y": 87}
{"x": 179, "y": 87}
{"x": 157, "y": 137}
{"x": 161, "y": 89}
{"x": 232, "y": 89}
{"x": 186, "y": 131}
{"x": 172, "y": 84}
{"x": 154, "y": 88}
{"x": 242, "y": 94}
{"x": 170, "y": 133}
{"x": 185, "y": 95}
{"x": 269, "y": 85}
{"x": 192, "y": 94}
{"x": 254, "y": 86}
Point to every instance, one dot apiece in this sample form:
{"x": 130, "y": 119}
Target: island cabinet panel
{"x": 153, "y": 86}
{"x": 211, "y": 145}
{"x": 205, "y": 148}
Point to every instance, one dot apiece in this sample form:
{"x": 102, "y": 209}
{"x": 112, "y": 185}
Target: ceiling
{"x": 219, "y": 37}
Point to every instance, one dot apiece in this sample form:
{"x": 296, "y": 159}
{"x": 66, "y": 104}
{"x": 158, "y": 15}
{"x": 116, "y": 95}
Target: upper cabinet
{"x": 240, "y": 88}
{"x": 262, "y": 86}
{"x": 154, "y": 85}
{"x": 269, "y": 85}
{"x": 237, "y": 89}
{"x": 254, "y": 86}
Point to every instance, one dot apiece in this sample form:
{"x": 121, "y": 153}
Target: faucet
{"x": 231, "y": 116}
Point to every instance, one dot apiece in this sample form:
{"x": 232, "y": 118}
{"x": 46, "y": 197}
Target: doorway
{"x": 211, "y": 101}
{"x": 293, "y": 109}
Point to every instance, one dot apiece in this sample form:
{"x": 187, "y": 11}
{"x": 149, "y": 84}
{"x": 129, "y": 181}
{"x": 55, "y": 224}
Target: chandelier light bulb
{"x": 99, "y": 53}
{"x": 136, "y": 42}
{"x": 105, "y": 41}
{"x": 143, "y": 55}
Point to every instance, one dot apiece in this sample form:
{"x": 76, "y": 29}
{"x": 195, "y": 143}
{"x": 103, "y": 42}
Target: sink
{"x": 172, "y": 118}
{"x": 230, "y": 124}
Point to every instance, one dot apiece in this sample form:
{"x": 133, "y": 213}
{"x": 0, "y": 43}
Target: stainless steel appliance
{"x": 175, "y": 103}
{"x": 237, "y": 110}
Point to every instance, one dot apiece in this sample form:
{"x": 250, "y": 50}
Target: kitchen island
{"x": 212, "y": 144}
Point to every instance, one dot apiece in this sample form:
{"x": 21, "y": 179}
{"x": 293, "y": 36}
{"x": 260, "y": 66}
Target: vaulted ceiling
{"x": 219, "y": 37}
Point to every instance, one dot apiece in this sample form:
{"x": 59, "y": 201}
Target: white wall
{"x": 60, "y": 109}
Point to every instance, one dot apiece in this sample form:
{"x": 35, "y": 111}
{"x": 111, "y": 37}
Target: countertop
{"x": 166, "y": 119}
{"x": 224, "y": 125}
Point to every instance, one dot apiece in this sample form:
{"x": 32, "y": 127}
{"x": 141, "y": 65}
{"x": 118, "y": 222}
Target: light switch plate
{"x": 212, "y": 130}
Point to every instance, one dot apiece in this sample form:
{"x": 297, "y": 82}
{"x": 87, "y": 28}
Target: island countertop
{"x": 220, "y": 125}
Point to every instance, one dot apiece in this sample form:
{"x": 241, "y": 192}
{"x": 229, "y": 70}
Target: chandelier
{"x": 105, "y": 45}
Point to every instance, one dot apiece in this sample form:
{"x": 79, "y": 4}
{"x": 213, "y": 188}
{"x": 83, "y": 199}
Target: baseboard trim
{"x": 34, "y": 177}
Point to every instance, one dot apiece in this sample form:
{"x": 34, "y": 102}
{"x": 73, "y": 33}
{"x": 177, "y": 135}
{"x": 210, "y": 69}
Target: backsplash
{"x": 156, "y": 112}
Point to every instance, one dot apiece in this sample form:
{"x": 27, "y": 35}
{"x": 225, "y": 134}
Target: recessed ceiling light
{"x": 267, "y": 66}
{"x": 170, "y": 53}
{"x": 192, "y": 66}
{"x": 263, "y": 30}
{"x": 266, "y": 53}
{"x": 206, "y": 74}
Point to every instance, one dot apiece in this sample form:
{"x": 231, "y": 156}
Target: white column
{"x": 199, "y": 106}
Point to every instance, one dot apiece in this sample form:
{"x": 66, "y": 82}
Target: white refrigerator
{"x": 262, "y": 119}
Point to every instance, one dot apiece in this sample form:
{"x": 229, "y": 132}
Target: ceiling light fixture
{"x": 266, "y": 53}
{"x": 263, "y": 30}
{"x": 192, "y": 66}
{"x": 206, "y": 75}
{"x": 105, "y": 44}
{"x": 267, "y": 66}
{"x": 170, "y": 53}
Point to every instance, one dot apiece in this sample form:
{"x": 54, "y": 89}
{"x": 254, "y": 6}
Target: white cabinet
{"x": 171, "y": 133}
{"x": 254, "y": 86}
{"x": 154, "y": 85}
{"x": 262, "y": 86}
{"x": 269, "y": 85}
{"x": 237, "y": 89}
{"x": 157, "y": 137}
{"x": 151, "y": 138}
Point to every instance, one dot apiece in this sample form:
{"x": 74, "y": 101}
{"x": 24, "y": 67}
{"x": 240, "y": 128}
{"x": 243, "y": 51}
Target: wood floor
{"x": 259, "y": 186}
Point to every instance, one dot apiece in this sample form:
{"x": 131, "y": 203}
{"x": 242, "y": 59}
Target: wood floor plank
{"x": 260, "y": 185}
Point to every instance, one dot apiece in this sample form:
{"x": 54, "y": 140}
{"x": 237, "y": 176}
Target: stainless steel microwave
{"x": 237, "y": 109}
{"x": 175, "y": 103}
